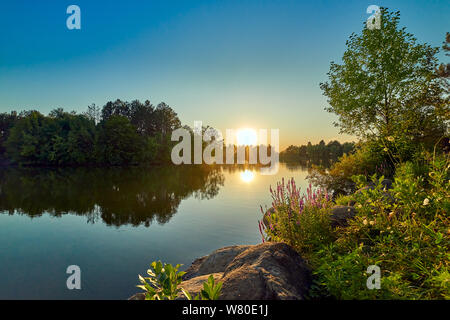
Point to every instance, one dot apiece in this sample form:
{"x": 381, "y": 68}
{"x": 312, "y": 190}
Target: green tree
{"x": 386, "y": 85}
{"x": 443, "y": 70}
{"x": 7, "y": 121}
{"x": 118, "y": 142}
{"x": 81, "y": 140}
{"x": 26, "y": 138}
{"x": 93, "y": 113}
{"x": 166, "y": 121}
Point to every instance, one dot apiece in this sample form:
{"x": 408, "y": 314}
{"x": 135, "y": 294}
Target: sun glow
{"x": 247, "y": 176}
{"x": 246, "y": 137}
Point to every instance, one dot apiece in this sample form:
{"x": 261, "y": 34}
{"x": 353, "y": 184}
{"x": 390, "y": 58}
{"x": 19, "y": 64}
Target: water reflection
{"x": 116, "y": 196}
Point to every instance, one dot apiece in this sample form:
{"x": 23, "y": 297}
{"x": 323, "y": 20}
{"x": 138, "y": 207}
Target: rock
{"x": 269, "y": 270}
{"x": 215, "y": 262}
{"x": 137, "y": 296}
{"x": 340, "y": 215}
{"x": 266, "y": 271}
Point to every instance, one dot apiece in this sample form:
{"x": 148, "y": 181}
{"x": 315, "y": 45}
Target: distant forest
{"x": 120, "y": 133}
{"x": 316, "y": 153}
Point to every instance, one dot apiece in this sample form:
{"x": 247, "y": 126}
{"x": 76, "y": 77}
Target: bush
{"x": 405, "y": 231}
{"x": 406, "y": 234}
{"x": 164, "y": 280}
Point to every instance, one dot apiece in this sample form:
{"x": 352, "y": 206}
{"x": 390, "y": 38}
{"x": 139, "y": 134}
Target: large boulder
{"x": 266, "y": 271}
{"x": 214, "y": 262}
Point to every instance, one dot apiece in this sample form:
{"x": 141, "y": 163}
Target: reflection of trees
{"x": 116, "y": 195}
{"x": 305, "y": 164}
{"x": 294, "y": 166}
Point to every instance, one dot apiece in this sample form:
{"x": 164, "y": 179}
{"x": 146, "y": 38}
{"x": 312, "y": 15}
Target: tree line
{"x": 120, "y": 133}
{"x": 317, "y": 152}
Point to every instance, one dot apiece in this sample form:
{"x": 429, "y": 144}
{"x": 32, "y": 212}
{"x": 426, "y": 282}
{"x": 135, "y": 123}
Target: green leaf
{"x": 186, "y": 294}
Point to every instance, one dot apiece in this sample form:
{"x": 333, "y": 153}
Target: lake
{"x": 114, "y": 222}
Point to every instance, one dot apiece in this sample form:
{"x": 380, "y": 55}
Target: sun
{"x": 246, "y": 137}
{"x": 247, "y": 176}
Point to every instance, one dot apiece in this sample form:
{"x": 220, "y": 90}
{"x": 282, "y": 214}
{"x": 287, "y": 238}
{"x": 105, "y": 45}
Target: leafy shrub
{"x": 164, "y": 280}
{"x": 210, "y": 291}
{"x": 404, "y": 230}
{"x": 343, "y": 200}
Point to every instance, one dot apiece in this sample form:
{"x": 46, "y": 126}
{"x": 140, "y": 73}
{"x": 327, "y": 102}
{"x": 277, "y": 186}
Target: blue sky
{"x": 231, "y": 64}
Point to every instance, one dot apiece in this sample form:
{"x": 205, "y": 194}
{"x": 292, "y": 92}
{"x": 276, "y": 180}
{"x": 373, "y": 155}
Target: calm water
{"x": 114, "y": 222}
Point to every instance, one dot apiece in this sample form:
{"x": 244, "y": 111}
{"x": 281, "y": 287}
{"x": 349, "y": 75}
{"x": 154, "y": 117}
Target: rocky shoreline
{"x": 267, "y": 271}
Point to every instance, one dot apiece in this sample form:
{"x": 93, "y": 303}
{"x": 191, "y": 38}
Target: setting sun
{"x": 246, "y": 137}
{"x": 247, "y": 176}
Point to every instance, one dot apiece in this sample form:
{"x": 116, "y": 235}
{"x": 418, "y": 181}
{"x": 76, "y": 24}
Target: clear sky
{"x": 231, "y": 64}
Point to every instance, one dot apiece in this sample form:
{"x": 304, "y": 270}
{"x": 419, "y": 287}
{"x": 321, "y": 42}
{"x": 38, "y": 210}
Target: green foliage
{"x": 386, "y": 85}
{"x": 343, "y": 200}
{"x": 366, "y": 160}
{"x": 210, "y": 291}
{"x": 25, "y": 139}
{"x": 121, "y": 134}
{"x": 341, "y": 276}
{"x": 119, "y": 143}
{"x": 164, "y": 282}
{"x": 388, "y": 92}
{"x": 320, "y": 152}
{"x": 404, "y": 230}
{"x": 7, "y": 121}
{"x": 61, "y": 138}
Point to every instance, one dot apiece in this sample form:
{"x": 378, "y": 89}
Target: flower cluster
{"x": 289, "y": 204}
{"x": 289, "y": 195}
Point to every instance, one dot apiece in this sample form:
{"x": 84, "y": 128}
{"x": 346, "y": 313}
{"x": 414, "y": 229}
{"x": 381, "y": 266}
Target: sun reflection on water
{"x": 247, "y": 176}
